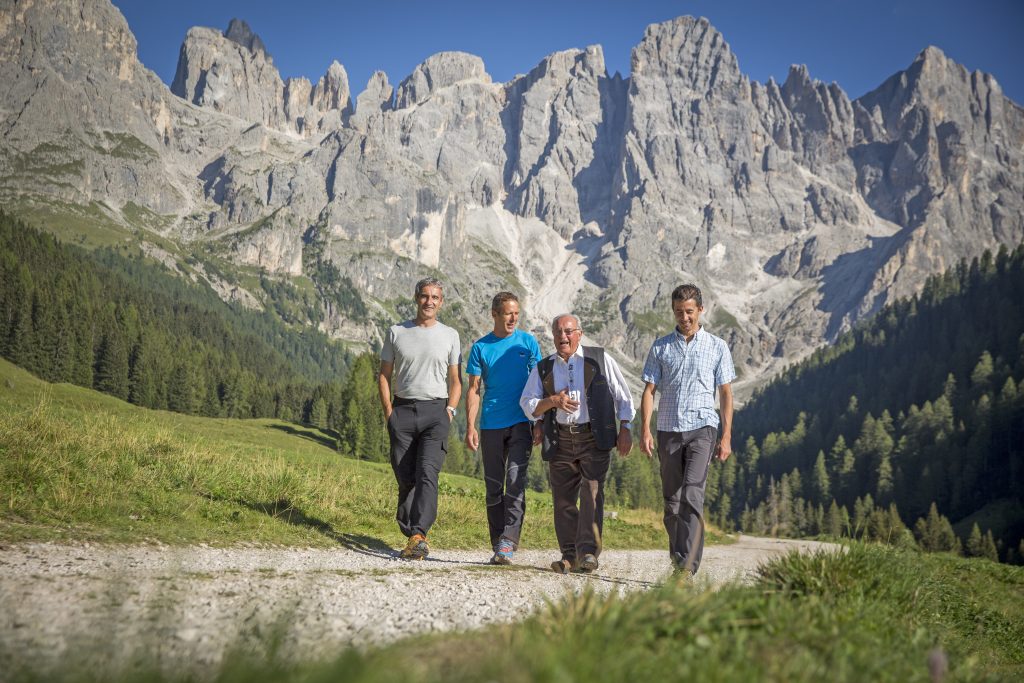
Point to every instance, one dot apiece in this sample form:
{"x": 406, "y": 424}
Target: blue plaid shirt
{"x": 686, "y": 375}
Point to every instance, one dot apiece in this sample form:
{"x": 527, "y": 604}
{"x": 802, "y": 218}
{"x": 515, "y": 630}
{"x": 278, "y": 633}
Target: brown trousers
{"x": 577, "y": 474}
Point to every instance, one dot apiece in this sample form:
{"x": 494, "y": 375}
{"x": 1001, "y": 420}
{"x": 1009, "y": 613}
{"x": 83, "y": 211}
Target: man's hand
{"x": 625, "y": 441}
{"x": 563, "y": 402}
{"x": 538, "y": 433}
{"x": 647, "y": 443}
{"x": 724, "y": 449}
{"x": 472, "y": 438}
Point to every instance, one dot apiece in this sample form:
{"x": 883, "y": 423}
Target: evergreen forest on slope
{"x": 911, "y": 423}
{"x": 129, "y": 327}
{"x": 908, "y": 429}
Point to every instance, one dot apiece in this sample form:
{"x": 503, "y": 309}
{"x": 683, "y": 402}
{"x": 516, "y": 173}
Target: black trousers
{"x": 685, "y": 457}
{"x": 419, "y": 443}
{"x": 506, "y": 456}
{"x": 577, "y": 473}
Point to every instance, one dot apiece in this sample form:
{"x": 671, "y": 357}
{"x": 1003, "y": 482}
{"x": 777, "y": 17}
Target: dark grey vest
{"x": 600, "y": 403}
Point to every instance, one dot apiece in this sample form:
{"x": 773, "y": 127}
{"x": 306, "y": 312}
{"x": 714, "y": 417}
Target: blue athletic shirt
{"x": 503, "y": 366}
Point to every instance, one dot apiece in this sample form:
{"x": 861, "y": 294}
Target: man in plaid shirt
{"x": 686, "y": 366}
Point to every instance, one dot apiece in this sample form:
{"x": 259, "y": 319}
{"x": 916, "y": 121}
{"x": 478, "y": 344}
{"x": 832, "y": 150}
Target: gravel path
{"x": 111, "y": 606}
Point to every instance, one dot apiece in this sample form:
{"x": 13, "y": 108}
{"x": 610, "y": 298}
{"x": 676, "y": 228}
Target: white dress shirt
{"x": 569, "y": 375}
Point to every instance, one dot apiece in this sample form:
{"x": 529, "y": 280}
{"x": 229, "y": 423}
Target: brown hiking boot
{"x": 416, "y": 548}
{"x": 588, "y": 563}
{"x": 563, "y": 566}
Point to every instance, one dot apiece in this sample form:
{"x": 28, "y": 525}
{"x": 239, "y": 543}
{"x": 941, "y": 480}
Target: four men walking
{"x": 582, "y": 407}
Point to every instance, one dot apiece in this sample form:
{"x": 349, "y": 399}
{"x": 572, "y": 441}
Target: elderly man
{"x": 420, "y": 363}
{"x": 498, "y": 366}
{"x": 686, "y": 366}
{"x": 587, "y": 410}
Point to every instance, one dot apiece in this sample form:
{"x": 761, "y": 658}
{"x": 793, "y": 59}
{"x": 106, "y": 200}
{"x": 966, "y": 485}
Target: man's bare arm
{"x": 725, "y": 442}
{"x": 646, "y": 410}
{"x": 384, "y": 387}
{"x": 472, "y": 410}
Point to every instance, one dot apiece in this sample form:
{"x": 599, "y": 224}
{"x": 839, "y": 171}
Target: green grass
{"x": 723, "y": 320}
{"x": 86, "y": 226}
{"x": 78, "y": 465}
{"x": 653, "y": 322}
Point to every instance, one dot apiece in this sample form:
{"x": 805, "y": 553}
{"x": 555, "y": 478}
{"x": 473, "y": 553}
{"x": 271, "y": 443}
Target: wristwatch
{"x": 451, "y": 410}
{"x": 624, "y": 424}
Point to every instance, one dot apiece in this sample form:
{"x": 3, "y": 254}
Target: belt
{"x": 575, "y": 428}
{"x": 399, "y": 401}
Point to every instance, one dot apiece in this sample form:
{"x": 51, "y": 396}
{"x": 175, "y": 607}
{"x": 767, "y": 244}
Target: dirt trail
{"x": 186, "y": 607}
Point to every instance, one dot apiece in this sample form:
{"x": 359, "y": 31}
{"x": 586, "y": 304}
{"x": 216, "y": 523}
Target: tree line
{"x": 128, "y": 327}
{"x": 912, "y": 419}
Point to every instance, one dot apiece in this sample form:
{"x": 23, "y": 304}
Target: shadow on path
{"x": 283, "y": 510}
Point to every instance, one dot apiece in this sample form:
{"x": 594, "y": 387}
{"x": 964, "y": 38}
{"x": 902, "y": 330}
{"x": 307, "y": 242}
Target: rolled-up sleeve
{"x": 624, "y": 409}
{"x": 532, "y": 394}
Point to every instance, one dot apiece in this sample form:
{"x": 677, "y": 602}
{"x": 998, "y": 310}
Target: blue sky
{"x": 858, "y": 44}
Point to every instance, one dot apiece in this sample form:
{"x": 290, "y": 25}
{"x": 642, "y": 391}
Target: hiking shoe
{"x": 416, "y": 548}
{"x": 588, "y": 563}
{"x": 503, "y": 553}
{"x": 680, "y": 568}
{"x": 563, "y": 566}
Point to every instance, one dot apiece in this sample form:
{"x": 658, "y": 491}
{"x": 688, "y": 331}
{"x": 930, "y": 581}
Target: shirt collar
{"x": 696, "y": 335}
{"x": 575, "y": 356}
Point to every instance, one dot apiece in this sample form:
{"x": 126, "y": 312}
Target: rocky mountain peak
{"x": 796, "y": 209}
{"x": 693, "y": 48}
{"x": 439, "y": 71}
{"x": 239, "y": 32}
{"x": 232, "y": 72}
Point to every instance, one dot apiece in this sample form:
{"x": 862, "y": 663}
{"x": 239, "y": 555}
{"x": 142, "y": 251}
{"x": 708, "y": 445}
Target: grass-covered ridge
{"x": 79, "y": 465}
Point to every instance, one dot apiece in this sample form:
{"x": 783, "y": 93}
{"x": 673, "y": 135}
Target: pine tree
{"x": 988, "y": 548}
{"x": 974, "y": 547}
{"x": 112, "y": 364}
{"x": 821, "y": 489}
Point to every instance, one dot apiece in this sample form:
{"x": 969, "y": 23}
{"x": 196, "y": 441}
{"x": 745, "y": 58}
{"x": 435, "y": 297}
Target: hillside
{"x": 77, "y": 465}
{"x": 920, "y": 406}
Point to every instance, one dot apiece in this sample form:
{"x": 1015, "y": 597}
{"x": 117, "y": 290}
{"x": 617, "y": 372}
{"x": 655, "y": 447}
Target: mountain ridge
{"x": 797, "y": 209}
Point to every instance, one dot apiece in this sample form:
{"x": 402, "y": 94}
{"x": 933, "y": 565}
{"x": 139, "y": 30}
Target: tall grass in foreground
{"x": 77, "y": 465}
{"x": 870, "y": 614}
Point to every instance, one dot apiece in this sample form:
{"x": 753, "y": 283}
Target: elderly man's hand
{"x": 624, "y": 442}
{"x": 564, "y": 402}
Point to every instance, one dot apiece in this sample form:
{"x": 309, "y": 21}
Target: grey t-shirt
{"x": 421, "y": 356}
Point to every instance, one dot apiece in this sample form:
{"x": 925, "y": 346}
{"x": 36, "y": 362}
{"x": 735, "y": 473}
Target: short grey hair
{"x": 427, "y": 282}
{"x": 554, "y": 321}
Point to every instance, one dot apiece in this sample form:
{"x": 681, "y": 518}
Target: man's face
{"x": 567, "y": 336}
{"x": 506, "y": 318}
{"x": 428, "y": 302}
{"x": 687, "y": 315}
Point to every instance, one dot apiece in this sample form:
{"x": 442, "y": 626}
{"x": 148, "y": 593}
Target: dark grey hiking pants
{"x": 577, "y": 473}
{"x": 685, "y": 457}
{"x": 506, "y": 455}
{"x": 419, "y": 443}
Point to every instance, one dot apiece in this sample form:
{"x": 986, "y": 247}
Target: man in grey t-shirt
{"x": 419, "y": 363}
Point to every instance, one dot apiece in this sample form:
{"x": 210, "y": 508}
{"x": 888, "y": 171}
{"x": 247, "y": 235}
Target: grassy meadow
{"x": 76, "y": 465}
{"x": 870, "y": 614}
